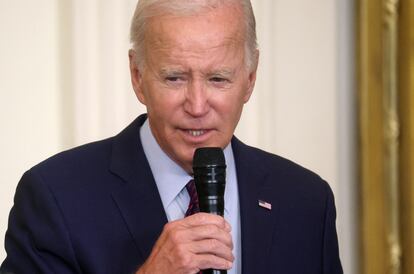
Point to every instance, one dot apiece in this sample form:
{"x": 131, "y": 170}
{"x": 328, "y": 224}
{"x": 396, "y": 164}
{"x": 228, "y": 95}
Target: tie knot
{"x": 193, "y": 206}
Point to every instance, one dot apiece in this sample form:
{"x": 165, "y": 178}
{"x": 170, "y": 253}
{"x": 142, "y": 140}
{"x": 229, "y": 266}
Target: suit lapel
{"x": 138, "y": 199}
{"x": 257, "y": 223}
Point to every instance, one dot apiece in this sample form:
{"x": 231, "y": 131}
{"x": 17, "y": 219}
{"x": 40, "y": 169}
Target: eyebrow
{"x": 171, "y": 71}
{"x": 223, "y": 72}
{"x": 226, "y": 72}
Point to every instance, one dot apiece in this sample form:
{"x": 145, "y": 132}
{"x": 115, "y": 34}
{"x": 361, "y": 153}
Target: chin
{"x": 186, "y": 161}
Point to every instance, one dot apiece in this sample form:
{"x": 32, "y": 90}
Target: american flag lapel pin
{"x": 265, "y": 204}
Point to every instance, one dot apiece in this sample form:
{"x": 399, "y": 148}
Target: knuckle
{"x": 174, "y": 236}
{"x": 172, "y": 233}
{"x": 168, "y": 227}
{"x": 201, "y": 217}
{"x": 212, "y": 229}
{"x": 213, "y": 244}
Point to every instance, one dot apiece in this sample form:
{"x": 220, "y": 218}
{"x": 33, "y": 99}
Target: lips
{"x": 197, "y": 135}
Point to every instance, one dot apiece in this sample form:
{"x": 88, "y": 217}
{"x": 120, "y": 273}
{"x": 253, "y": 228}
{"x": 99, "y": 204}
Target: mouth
{"x": 198, "y": 135}
{"x": 196, "y": 132}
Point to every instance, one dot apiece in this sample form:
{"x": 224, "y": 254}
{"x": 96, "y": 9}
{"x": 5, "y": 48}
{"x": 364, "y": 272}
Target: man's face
{"x": 194, "y": 81}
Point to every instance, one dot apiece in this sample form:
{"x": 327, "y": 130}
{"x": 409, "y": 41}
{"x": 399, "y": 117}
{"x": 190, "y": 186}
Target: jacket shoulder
{"x": 84, "y": 156}
{"x": 283, "y": 172}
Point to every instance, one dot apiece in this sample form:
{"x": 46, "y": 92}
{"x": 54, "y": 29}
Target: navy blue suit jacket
{"x": 96, "y": 209}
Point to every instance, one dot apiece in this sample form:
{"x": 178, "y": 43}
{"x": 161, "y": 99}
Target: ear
{"x": 136, "y": 76}
{"x": 252, "y": 77}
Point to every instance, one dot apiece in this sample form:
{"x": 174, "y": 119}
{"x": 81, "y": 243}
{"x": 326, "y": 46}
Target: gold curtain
{"x": 406, "y": 83}
{"x": 385, "y": 76}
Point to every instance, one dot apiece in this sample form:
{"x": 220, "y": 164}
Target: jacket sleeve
{"x": 37, "y": 240}
{"x": 331, "y": 260}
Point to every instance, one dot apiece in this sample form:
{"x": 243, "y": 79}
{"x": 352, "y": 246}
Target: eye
{"x": 217, "y": 79}
{"x": 173, "y": 78}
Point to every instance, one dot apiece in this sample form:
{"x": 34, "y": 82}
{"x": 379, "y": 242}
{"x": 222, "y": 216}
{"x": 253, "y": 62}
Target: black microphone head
{"x": 208, "y": 156}
{"x": 209, "y": 167}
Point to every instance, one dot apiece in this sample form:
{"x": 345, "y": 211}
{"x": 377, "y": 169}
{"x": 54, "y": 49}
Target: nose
{"x": 196, "y": 102}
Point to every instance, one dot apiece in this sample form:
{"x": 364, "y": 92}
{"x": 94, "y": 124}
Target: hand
{"x": 186, "y": 246}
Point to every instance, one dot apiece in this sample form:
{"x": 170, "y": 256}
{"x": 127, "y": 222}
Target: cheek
{"x": 230, "y": 105}
{"x": 161, "y": 102}
{"x": 165, "y": 111}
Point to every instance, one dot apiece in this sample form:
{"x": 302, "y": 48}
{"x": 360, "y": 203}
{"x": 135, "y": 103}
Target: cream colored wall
{"x": 66, "y": 83}
{"x": 296, "y": 91}
{"x": 29, "y": 95}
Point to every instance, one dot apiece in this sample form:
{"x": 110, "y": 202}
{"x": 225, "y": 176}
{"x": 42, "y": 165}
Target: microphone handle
{"x": 212, "y": 211}
{"x": 210, "y": 183}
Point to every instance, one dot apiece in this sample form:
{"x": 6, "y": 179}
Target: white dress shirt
{"x": 172, "y": 178}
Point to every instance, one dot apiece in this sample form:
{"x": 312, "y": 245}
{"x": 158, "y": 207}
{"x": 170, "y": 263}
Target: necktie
{"x": 193, "y": 206}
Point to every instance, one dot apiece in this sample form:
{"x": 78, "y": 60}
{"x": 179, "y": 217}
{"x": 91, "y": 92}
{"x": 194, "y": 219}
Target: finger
{"x": 203, "y": 232}
{"x": 212, "y": 247}
{"x": 206, "y": 218}
{"x": 206, "y": 261}
{"x": 183, "y": 235}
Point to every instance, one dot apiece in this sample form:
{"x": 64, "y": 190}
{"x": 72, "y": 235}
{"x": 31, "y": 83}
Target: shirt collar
{"x": 169, "y": 176}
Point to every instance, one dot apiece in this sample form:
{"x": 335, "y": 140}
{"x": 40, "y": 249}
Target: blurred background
{"x": 334, "y": 93}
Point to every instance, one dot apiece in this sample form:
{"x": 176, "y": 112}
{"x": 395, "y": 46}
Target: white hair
{"x": 147, "y": 9}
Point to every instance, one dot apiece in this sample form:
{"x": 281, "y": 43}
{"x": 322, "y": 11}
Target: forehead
{"x": 204, "y": 30}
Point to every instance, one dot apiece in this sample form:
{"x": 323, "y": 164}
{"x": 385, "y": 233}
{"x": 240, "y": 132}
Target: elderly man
{"x": 119, "y": 205}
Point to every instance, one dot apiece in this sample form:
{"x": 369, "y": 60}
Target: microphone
{"x": 209, "y": 168}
